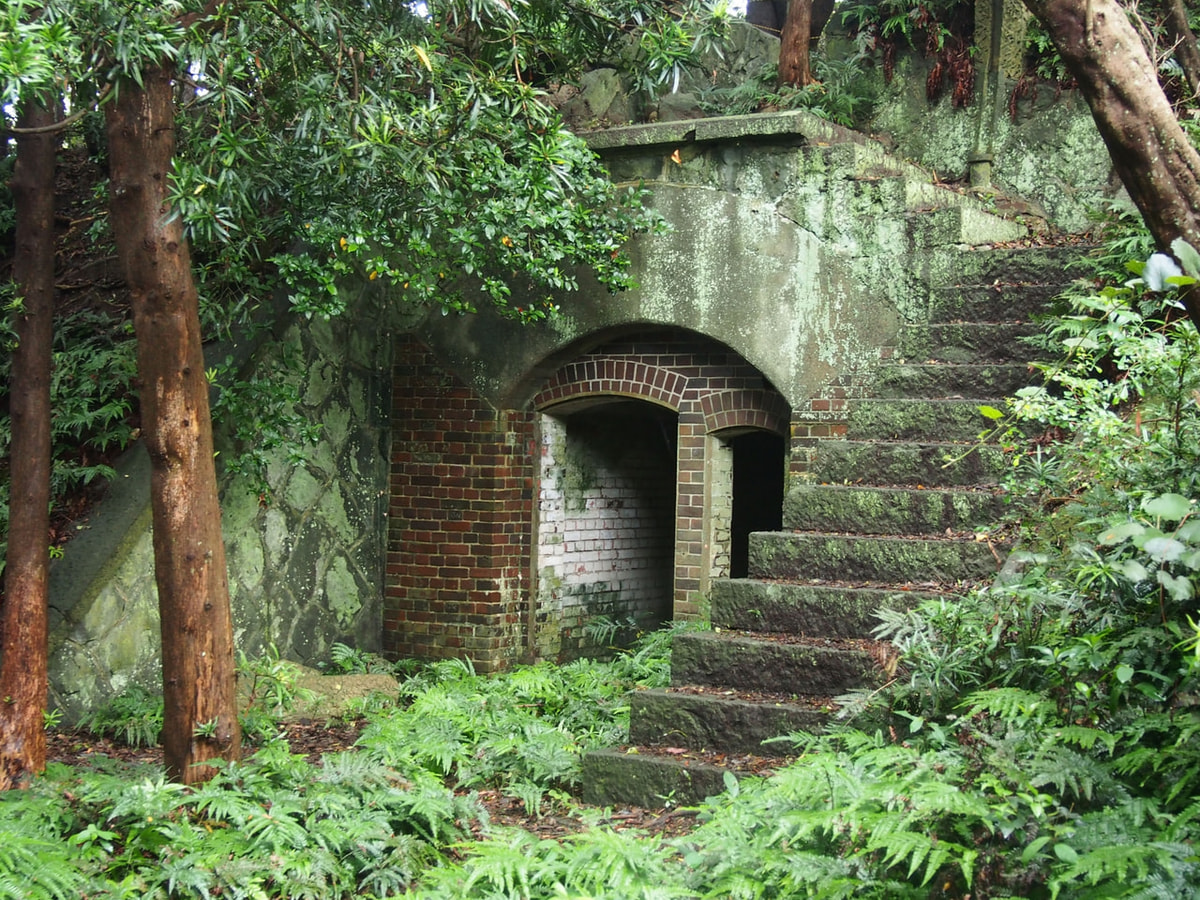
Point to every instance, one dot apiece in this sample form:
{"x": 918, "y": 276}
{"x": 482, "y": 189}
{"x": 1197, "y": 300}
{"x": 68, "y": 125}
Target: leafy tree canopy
{"x": 404, "y": 143}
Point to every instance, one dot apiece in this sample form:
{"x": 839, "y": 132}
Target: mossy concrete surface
{"x": 305, "y": 565}
{"x": 974, "y": 303}
{"x": 930, "y": 463}
{"x": 888, "y": 560}
{"x": 708, "y": 721}
{"x": 873, "y": 510}
{"x": 941, "y": 381}
{"x": 621, "y": 778}
{"x": 967, "y": 342}
{"x": 720, "y": 659}
{"x": 746, "y": 604}
{"x": 908, "y": 420}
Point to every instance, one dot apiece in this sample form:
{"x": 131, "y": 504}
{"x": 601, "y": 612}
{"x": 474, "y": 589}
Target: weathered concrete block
{"x": 950, "y": 381}
{"x": 712, "y": 722}
{"x": 616, "y": 778}
{"x": 880, "y": 559}
{"x": 833, "y": 612}
{"x": 871, "y": 510}
{"x": 720, "y": 659}
{"x": 901, "y": 420}
{"x": 967, "y": 342}
{"x": 932, "y": 463}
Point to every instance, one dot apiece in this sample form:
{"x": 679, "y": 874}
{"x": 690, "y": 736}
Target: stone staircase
{"x": 883, "y": 521}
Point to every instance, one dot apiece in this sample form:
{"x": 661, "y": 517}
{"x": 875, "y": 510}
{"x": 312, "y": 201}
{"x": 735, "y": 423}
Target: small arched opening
{"x": 606, "y": 523}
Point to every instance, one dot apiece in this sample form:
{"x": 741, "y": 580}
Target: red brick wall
{"x": 465, "y": 476}
{"x": 458, "y": 520}
{"x": 712, "y": 388}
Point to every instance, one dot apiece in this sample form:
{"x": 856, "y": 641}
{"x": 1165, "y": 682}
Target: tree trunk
{"x": 1150, "y": 152}
{"x": 23, "y": 678}
{"x": 1186, "y": 51}
{"x": 199, "y": 678}
{"x": 794, "y": 68}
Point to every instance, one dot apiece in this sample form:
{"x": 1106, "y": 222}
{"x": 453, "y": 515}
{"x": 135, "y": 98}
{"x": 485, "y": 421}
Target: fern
{"x": 36, "y": 869}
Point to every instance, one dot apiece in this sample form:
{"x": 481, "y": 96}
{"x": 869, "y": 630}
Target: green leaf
{"x": 991, "y": 412}
{"x": 1167, "y": 506}
{"x": 1164, "y": 549}
{"x": 1134, "y": 570}
{"x": 1119, "y": 533}
{"x": 1124, "y": 674}
{"x": 1179, "y": 587}
{"x": 731, "y": 782}
{"x": 1187, "y": 255}
{"x": 1066, "y": 853}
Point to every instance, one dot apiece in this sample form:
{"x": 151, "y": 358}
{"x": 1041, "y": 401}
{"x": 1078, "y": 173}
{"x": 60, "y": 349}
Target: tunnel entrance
{"x": 606, "y": 524}
{"x": 758, "y": 470}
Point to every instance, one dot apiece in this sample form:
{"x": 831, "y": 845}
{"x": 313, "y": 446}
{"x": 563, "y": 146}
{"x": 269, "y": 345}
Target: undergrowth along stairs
{"x": 892, "y": 512}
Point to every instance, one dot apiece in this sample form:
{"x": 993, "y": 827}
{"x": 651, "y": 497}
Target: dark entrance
{"x": 758, "y": 466}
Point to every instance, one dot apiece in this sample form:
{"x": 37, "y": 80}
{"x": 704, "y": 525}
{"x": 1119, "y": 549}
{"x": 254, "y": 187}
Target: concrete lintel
{"x": 796, "y": 123}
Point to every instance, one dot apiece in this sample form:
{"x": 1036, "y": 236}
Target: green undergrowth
{"x": 363, "y": 823}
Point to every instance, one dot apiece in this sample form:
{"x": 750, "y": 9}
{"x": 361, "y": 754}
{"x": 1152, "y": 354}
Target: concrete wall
{"x": 305, "y": 570}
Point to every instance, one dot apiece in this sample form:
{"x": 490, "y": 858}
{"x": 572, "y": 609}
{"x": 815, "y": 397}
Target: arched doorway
{"x": 606, "y": 523}
{"x": 661, "y": 451}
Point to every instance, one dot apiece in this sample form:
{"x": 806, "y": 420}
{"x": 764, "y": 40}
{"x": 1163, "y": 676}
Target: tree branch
{"x": 61, "y": 124}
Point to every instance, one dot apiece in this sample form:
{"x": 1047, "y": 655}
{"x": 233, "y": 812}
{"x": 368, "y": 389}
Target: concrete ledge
{"x": 713, "y": 722}
{"x": 720, "y": 659}
{"x": 834, "y": 612}
{"x": 799, "y": 124}
{"x": 890, "y": 560}
{"x": 618, "y": 778}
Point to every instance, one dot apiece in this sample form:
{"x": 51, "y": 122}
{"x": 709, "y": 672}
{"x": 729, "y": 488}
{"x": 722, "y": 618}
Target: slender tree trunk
{"x": 1186, "y": 51}
{"x": 794, "y": 67}
{"x": 199, "y": 680}
{"x": 1150, "y": 152}
{"x": 23, "y": 678}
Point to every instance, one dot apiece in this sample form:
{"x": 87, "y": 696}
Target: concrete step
{"x": 947, "y": 265}
{"x": 745, "y": 604}
{"x": 750, "y": 662}
{"x": 951, "y": 381}
{"x": 966, "y": 342}
{"x": 995, "y": 302}
{"x": 916, "y": 420}
{"x": 641, "y": 777}
{"x": 887, "y": 560}
{"x": 930, "y": 464}
{"x": 966, "y": 224}
{"x": 705, "y": 719}
{"x": 877, "y": 510}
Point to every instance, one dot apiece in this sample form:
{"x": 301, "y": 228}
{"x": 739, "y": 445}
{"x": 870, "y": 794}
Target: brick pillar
{"x": 460, "y": 520}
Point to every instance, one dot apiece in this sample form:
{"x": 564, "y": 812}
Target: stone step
{"x": 909, "y": 420}
{"x": 745, "y": 604}
{"x": 996, "y": 302}
{"x": 616, "y": 778}
{"x": 884, "y": 559}
{"x": 951, "y": 381}
{"x": 966, "y": 342}
{"x": 702, "y": 719}
{"x": 964, "y": 224}
{"x": 748, "y": 661}
{"x": 930, "y": 464}
{"x": 947, "y": 265}
{"x": 889, "y": 510}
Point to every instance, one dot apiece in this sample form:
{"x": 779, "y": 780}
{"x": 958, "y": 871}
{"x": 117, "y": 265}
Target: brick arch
{"x": 613, "y": 377}
{"x": 745, "y": 409}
